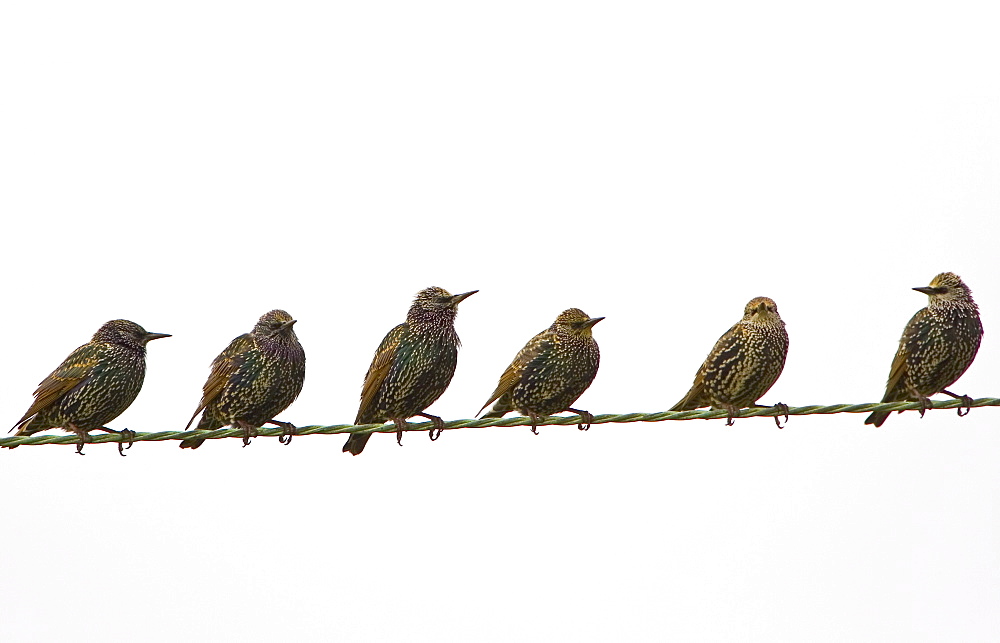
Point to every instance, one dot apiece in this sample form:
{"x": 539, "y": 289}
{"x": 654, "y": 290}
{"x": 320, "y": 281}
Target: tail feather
{"x": 878, "y": 417}
{"x": 356, "y": 443}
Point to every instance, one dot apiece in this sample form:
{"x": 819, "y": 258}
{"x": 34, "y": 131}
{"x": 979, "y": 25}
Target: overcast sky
{"x": 192, "y": 165}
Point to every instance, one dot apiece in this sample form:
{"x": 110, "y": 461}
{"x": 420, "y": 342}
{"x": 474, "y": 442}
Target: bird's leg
{"x": 780, "y": 407}
{"x": 400, "y": 427}
{"x": 732, "y": 412}
{"x": 534, "y": 422}
{"x": 248, "y": 431}
{"x": 80, "y": 433}
{"x": 125, "y": 433}
{"x": 966, "y": 403}
{"x": 925, "y": 403}
{"x": 287, "y": 431}
{"x": 585, "y": 419}
{"x": 438, "y": 425}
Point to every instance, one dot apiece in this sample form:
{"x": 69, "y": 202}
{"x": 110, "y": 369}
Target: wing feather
{"x": 74, "y": 370}
{"x": 223, "y": 367}
{"x": 381, "y": 363}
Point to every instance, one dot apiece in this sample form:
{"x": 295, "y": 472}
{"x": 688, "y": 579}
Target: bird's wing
{"x": 223, "y": 367}
{"x": 540, "y": 343}
{"x": 381, "y": 363}
{"x": 914, "y": 335}
{"x": 75, "y": 369}
{"x": 726, "y": 349}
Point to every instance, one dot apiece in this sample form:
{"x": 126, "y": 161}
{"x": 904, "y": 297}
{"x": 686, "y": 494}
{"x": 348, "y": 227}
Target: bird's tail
{"x": 503, "y": 406}
{"x": 878, "y": 417}
{"x": 689, "y": 402}
{"x": 356, "y": 443}
{"x": 24, "y": 428}
{"x": 206, "y": 424}
{"x": 192, "y": 443}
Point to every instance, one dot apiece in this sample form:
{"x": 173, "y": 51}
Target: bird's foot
{"x": 782, "y": 409}
{"x": 400, "y": 427}
{"x": 966, "y": 403}
{"x": 80, "y": 433}
{"x": 287, "y": 431}
{"x": 732, "y": 412}
{"x": 130, "y": 435}
{"x": 248, "y": 432}
{"x": 126, "y": 434}
{"x": 925, "y": 403}
{"x": 438, "y": 425}
{"x": 586, "y": 419}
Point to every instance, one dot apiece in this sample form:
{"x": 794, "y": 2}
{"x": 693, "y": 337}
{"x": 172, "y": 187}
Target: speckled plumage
{"x": 551, "y": 372}
{"x": 92, "y": 386}
{"x": 412, "y": 367}
{"x": 258, "y": 376}
{"x": 937, "y": 346}
{"x": 744, "y": 364}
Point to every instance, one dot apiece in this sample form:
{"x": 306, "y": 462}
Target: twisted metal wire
{"x": 769, "y": 411}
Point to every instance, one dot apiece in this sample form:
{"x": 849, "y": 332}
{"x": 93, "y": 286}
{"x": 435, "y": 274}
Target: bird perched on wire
{"x": 743, "y": 365}
{"x": 551, "y": 372}
{"x": 258, "y": 376}
{"x": 412, "y": 367}
{"x": 937, "y": 346}
{"x": 92, "y": 386}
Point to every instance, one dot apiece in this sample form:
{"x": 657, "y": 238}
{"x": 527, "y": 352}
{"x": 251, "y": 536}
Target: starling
{"x": 255, "y": 378}
{"x": 551, "y": 371}
{"x": 412, "y": 367}
{"x": 938, "y": 344}
{"x": 93, "y": 386}
{"x": 743, "y": 365}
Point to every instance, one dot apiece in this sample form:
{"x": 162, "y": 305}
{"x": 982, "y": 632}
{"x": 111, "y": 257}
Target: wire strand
{"x": 662, "y": 416}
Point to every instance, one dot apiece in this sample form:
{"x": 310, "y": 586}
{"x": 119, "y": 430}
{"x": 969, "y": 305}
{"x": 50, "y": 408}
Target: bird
{"x": 551, "y": 372}
{"x": 412, "y": 367}
{"x": 92, "y": 386}
{"x": 257, "y": 377}
{"x": 937, "y": 346}
{"x": 743, "y": 365}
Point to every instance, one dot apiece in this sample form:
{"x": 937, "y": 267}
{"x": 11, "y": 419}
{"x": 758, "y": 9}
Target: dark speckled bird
{"x": 258, "y": 376}
{"x": 937, "y": 346}
{"x": 551, "y": 372}
{"x": 743, "y": 365}
{"x": 94, "y": 385}
{"x": 412, "y": 367}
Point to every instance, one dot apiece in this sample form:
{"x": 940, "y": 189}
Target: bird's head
{"x": 125, "y": 333}
{"x": 275, "y": 322}
{"x": 761, "y": 310}
{"x": 946, "y": 286}
{"x": 436, "y": 300}
{"x": 576, "y": 322}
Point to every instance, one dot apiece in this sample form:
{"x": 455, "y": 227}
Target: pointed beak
{"x": 287, "y": 325}
{"x": 457, "y": 299}
{"x": 590, "y": 323}
{"x": 151, "y": 336}
{"x": 929, "y": 290}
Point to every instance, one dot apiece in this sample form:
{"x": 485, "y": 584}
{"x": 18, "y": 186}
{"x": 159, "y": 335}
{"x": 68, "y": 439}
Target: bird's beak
{"x": 457, "y": 299}
{"x": 151, "y": 336}
{"x": 761, "y": 308}
{"x": 929, "y": 290}
{"x": 287, "y": 325}
{"x": 590, "y": 323}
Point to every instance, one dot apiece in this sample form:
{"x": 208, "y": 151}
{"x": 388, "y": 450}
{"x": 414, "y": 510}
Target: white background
{"x": 192, "y": 165}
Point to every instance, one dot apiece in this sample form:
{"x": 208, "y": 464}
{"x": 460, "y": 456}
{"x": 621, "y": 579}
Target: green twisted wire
{"x": 769, "y": 411}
